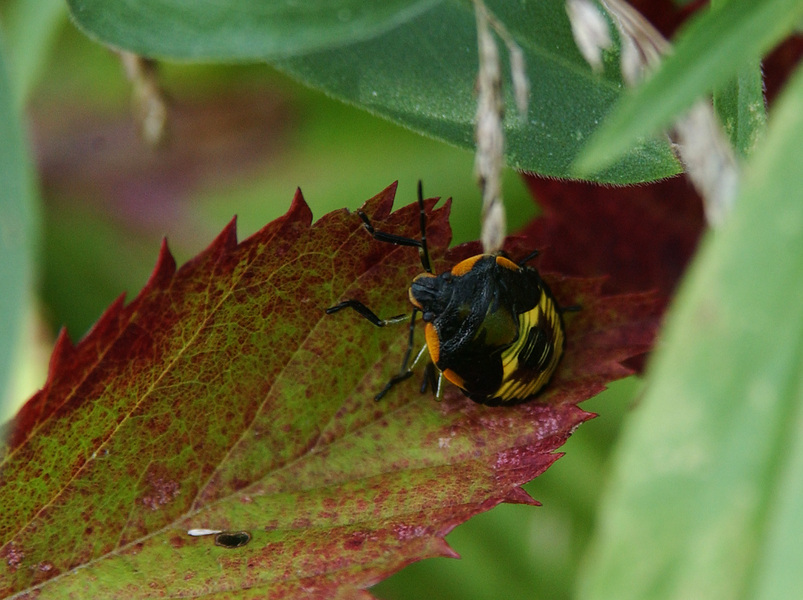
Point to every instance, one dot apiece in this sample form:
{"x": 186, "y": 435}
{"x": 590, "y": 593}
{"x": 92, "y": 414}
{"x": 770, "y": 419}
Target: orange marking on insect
{"x": 464, "y": 266}
{"x": 433, "y": 342}
{"x": 505, "y": 262}
{"x": 413, "y": 301}
{"x": 454, "y": 378}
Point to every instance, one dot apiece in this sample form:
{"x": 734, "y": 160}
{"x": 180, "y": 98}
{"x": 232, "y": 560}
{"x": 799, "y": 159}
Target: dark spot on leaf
{"x": 232, "y": 539}
{"x": 354, "y": 542}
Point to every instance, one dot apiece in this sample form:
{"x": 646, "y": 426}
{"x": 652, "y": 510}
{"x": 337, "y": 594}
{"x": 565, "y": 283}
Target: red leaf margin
{"x": 375, "y": 522}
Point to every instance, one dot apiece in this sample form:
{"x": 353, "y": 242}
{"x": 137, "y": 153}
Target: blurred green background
{"x": 240, "y": 140}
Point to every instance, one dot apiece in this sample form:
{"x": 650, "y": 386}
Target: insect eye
{"x": 428, "y": 316}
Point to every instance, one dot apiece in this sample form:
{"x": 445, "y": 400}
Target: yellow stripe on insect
{"x": 514, "y": 387}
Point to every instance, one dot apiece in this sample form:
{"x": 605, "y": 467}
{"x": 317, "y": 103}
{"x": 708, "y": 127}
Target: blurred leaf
{"x": 224, "y": 398}
{"x": 421, "y": 73}
{"x": 708, "y": 52}
{"x": 640, "y": 237}
{"x": 740, "y": 105}
{"x": 31, "y": 27}
{"x": 18, "y": 234}
{"x": 741, "y": 108}
{"x": 705, "y": 502}
{"x": 238, "y": 30}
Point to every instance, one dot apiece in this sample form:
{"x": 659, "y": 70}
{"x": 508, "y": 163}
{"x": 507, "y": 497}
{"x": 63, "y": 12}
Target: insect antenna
{"x": 528, "y": 258}
{"x": 423, "y": 250}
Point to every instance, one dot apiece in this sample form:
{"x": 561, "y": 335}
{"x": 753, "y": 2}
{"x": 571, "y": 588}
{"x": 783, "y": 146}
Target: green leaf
{"x": 422, "y": 75}
{"x": 31, "y": 26}
{"x": 712, "y": 49}
{"x": 418, "y": 71}
{"x": 223, "y": 397}
{"x": 741, "y": 105}
{"x": 741, "y": 108}
{"x": 237, "y": 30}
{"x": 18, "y": 234}
{"x": 705, "y": 498}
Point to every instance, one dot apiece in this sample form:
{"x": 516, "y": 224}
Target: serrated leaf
{"x": 420, "y": 73}
{"x": 705, "y": 498}
{"x": 707, "y": 53}
{"x": 224, "y": 398}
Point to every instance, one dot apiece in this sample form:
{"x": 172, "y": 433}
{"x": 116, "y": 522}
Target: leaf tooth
{"x": 442, "y": 548}
{"x": 380, "y": 206}
{"x": 519, "y": 495}
{"x": 299, "y": 210}
{"x": 162, "y": 273}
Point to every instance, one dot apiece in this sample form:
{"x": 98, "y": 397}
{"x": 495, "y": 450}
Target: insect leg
{"x": 382, "y": 236}
{"x": 430, "y": 379}
{"x": 406, "y": 368}
{"x": 433, "y": 378}
{"x": 365, "y": 312}
{"x": 439, "y": 391}
{"x": 399, "y": 240}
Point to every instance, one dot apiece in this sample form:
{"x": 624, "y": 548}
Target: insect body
{"x": 492, "y": 326}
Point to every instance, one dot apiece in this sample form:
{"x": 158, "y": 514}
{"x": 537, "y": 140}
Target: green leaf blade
{"x": 707, "y": 53}
{"x": 700, "y": 504}
{"x": 238, "y": 30}
{"x": 423, "y": 75}
{"x": 740, "y": 106}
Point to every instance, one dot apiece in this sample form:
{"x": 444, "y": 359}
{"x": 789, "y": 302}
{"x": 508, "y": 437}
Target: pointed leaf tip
{"x": 442, "y": 548}
{"x": 299, "y": 209}
{"x": 519, "y": 495}
{"x": 164, "y": 269}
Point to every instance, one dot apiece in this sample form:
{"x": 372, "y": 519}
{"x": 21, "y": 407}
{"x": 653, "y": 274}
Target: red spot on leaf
{"x": 160, "y": 492}
{"x": 355, "y": 541}
{"x": 12, "y": 555}
{"x": 409, "y": 532}
{"x": 45, "y": 566}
